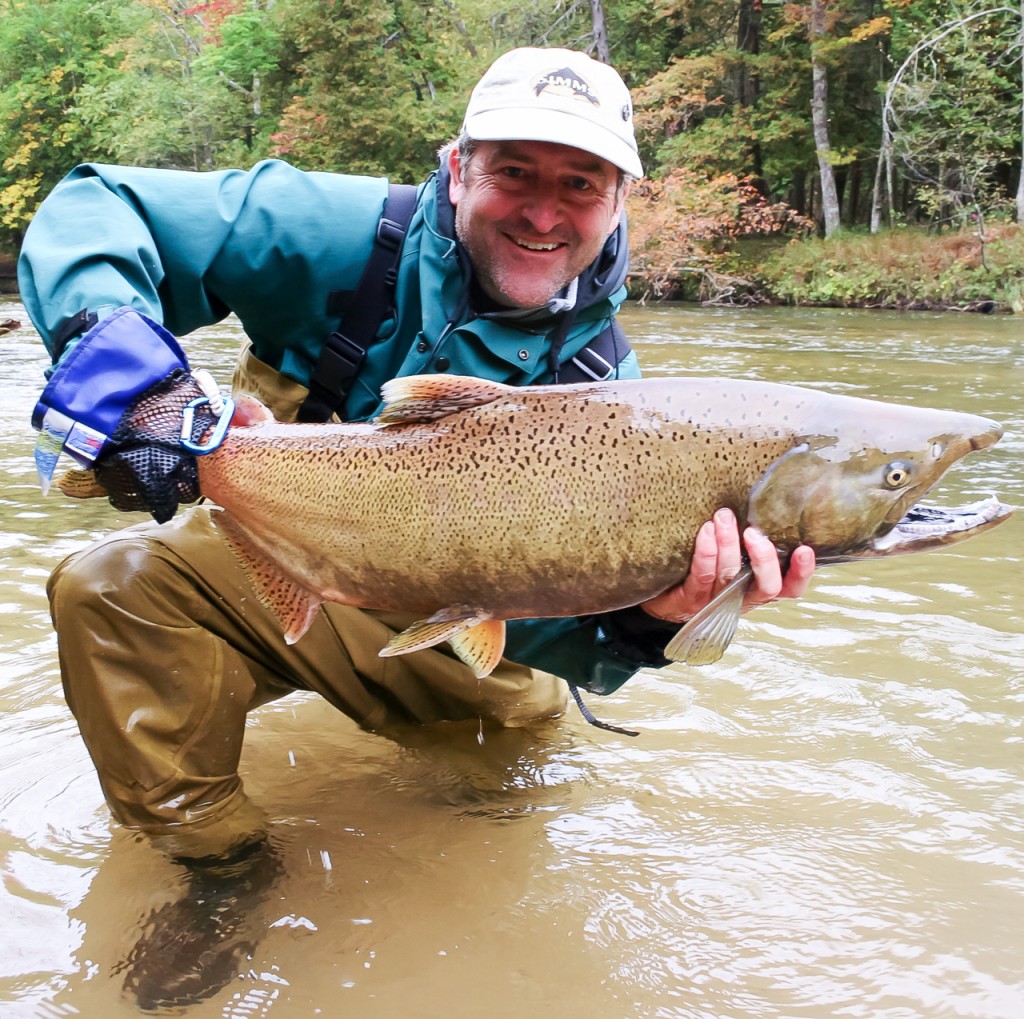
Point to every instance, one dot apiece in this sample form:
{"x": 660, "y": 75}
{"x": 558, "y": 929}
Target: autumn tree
{"x": 50, "y": 51}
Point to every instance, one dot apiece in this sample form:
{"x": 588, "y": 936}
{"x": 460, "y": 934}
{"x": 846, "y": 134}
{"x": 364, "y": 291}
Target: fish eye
{"x": 937, "y": 450}
{"x": 896, "y": 475}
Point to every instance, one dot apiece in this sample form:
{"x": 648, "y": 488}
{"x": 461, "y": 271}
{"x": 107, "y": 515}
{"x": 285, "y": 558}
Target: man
{"x": 512, "y": 268}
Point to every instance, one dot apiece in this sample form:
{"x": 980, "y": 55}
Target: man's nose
{"x": 542, "y": 209}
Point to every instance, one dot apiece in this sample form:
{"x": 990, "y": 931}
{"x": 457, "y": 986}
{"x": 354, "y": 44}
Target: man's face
{"x": 532, "y": 216}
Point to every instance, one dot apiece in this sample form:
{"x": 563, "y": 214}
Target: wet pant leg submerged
{"x": 164, "y": 648}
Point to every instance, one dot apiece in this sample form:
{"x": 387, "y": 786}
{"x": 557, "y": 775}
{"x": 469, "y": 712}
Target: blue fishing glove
{"x": 115, "y": 405}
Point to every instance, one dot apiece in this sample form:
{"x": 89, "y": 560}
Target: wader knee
{"x": 160, "y": 701}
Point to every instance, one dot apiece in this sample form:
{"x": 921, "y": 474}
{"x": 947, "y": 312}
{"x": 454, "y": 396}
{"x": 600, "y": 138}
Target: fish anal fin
{"x": 447, "y": 624}
{"x": 294, "y": 605}
{"x": 422, "y": 398}
{"x": 481, "y": 646}
{"x": 705, "y": 637}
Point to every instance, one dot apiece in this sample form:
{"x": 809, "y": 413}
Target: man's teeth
{"x": 534, "y": 246}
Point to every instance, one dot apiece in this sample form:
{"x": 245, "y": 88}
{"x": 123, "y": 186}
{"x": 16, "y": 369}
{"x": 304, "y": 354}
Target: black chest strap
{"x": 599, "y": 360}
{"x": 342, "y": 355}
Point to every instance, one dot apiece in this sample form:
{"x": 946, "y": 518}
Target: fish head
{"x": 848, "y": 488}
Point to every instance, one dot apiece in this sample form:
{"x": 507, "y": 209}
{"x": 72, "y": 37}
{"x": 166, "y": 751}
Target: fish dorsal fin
{"x": 294, "y": 606}
{"x": 422, "y": 398}
{"x": 704, "y": 638}
{"x": 475, "y": 638}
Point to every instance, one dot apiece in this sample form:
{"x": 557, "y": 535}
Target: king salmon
{"x": 468, "y": 502}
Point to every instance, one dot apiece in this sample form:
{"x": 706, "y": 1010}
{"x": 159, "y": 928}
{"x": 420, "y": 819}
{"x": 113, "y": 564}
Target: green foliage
{"x": 956, "y": 115}
{"x": 49, "y": 51}
{"x": 379, "y": 87}
{"x": 901, "y": 269}
{"x": 722, "y": 91}
{"x": 196, "y": 87}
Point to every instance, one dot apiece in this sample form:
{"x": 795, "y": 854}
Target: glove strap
{"x": 87, "y": 395}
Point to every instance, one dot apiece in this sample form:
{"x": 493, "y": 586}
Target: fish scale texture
{"x": 557, "y": 501}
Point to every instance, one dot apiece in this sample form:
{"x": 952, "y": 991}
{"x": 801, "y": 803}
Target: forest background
{"x": 837, "y": 152}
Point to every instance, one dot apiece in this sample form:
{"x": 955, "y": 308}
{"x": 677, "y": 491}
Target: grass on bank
{"x": 904, "y": 269}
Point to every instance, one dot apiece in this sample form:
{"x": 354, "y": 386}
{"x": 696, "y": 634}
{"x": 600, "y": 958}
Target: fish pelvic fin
{"x": 705, "y": 637}
{"x": 474, "y": 636}
{"x": 294, "y": 606}
{"x": 481, "y": 646}
{"x": 421, "y": 398}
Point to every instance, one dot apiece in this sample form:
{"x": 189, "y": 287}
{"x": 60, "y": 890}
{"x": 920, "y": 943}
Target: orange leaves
{"x": 685, "y": 223}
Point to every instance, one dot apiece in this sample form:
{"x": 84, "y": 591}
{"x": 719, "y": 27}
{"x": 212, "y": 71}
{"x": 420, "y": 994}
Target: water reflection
{"x": 827, "y": 822}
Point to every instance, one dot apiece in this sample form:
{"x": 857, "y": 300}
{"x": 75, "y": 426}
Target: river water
{"x": 827, "y": 822}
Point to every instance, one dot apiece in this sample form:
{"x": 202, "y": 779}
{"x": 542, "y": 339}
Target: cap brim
{"x": 556, "y": 126}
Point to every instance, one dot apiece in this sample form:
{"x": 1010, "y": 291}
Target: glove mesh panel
{"x": 145, "y": 467}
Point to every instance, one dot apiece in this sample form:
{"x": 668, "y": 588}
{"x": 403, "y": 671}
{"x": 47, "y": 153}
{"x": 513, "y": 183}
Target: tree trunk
{"x": 601, "y": 32}
{"x": 1020, "y": 179}
{"x": 819, "y": 121}
{"x": 748, "y": 84}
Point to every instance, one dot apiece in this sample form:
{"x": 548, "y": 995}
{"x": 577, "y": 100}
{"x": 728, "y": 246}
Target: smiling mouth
{"x": 535, "y": 245}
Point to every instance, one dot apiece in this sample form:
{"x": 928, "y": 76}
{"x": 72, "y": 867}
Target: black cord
{"x": 585, "y": 712}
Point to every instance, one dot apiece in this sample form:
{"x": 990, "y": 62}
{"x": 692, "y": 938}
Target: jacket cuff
{"x": 635, "y": 635}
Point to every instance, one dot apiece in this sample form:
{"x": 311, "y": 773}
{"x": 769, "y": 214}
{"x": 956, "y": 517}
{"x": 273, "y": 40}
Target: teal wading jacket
{"x": 271, "y": 245}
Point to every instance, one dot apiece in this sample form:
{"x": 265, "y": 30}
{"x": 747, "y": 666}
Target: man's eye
{"x": 579, "y": 183}
{"x": 514, "y": 172}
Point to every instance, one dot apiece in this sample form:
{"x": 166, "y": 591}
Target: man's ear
{"x": 620, "y": 208}
{"x": 455, "y": 183}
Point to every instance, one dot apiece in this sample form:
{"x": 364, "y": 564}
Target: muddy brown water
{"x": 828, "y": 822}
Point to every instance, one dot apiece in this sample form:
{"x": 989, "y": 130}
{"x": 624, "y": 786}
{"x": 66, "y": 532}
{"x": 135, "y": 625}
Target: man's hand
{"x": 717, "y": 559}
{"x": 115, "y": 404}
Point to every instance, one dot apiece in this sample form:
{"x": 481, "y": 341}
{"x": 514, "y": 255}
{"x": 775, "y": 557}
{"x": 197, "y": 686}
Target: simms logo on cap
{"x": 565, "y": 82}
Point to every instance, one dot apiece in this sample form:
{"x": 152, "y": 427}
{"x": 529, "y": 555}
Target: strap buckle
{"x": 390, "y": 233}
{"x": 594, "y": 365}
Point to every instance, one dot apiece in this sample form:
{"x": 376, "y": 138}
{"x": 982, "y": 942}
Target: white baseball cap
{"x": 555, "y": 95}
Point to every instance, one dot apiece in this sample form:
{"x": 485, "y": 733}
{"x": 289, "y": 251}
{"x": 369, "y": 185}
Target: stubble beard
{"x": 498, "y": 281}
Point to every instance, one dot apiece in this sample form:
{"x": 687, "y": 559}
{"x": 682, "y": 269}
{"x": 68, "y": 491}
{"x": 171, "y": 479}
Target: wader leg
{"x": 164, "y": 648}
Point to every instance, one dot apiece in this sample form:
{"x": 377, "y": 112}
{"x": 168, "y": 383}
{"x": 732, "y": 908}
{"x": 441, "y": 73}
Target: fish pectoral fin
{"x": 421, "y": 398}
{"x": 481, "y": 646}
{"x": 704, "y": 638}
{"x": 294, "y": 606}
{"x": 249, "y": 412}
{"x": 447, "y": 624}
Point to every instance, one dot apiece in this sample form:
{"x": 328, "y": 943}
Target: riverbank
{"x": 905, "y": 269}
{"x": 8, "y": 274}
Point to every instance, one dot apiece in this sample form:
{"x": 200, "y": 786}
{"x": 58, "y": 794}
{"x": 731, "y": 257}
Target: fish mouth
{"x": 926, "y": 527}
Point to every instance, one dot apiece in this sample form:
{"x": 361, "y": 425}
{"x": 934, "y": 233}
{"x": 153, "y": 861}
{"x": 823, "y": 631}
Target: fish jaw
{"x": 924, "y": 528}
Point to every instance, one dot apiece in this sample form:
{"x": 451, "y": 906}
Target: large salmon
{"x": 470, "y": 502}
